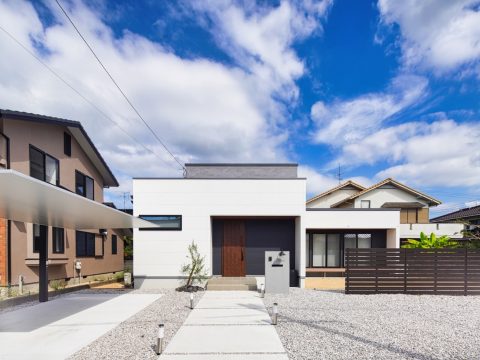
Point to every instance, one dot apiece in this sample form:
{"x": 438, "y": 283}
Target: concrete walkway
{"x": 58, "y": 328}
{"x": 227, "y": 325}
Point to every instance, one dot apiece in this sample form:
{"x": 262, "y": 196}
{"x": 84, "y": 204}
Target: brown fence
{"x": 412, "y": 271}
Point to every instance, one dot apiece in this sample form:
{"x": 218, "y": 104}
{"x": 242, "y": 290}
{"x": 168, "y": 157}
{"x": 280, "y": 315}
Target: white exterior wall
{"x": 352, "y": 219}
{"x": 452, "y": 230}
{"x": 378, "y": 197}
{"x": 330, "y": 199}
{"x": 159, "y": 254}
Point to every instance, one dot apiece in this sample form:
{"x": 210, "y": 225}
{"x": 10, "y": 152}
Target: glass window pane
{"x": 3, "y": 151}
{"x": 114, "y": 244}
{"x": 333, "y": 246}
{"x": 58, "y": 240}
{"x": 79, "y": 183}
{"x": 80, "y": 243}
{"x": 365, "y": 204}
{"x": 89, "y": 187}
{"x": 318, "y": 250}
{"x": 90, "y": 244}
{"x": 307, "y": 254}
{"x": 364, "y": 241}
{"x": 166, "y": 222}
{"x": 350, "y": 241}
{"x": 36, "y": 238}
{"x": 37, "y": 169}
{"x": 51, "y": 171}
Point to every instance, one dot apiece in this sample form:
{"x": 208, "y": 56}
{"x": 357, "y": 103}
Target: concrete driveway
{"x": 60, "y": 327}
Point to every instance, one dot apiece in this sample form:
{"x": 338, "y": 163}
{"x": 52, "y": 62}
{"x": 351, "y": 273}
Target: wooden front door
{"x": 234, "y": 248}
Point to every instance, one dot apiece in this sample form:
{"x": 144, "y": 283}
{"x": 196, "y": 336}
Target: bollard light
{"x": 161, "y": 335}
{"x": 262, "y": 290}
{"x": 275, "y": 314}
{"x": 191, "y": 301}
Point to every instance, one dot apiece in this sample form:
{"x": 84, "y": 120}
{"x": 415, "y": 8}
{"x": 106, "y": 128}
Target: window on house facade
{"x": 365, "y": 204}
{"x": 114, "y": 244}
{"x": 84, "y": 185}
{"x": 43, "y": 166}
{"x": 3, "y": 151}
{"x": 67, "y": 144}
{"x": 328, "y": 250}
{"x": 85, "y": 244}
{"x": 165, "y": 222}
{"x": 58, "y": 240}
{"x": 40, "y": 233}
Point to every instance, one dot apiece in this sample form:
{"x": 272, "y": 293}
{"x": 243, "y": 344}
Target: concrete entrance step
{"x": 232, "y": 283}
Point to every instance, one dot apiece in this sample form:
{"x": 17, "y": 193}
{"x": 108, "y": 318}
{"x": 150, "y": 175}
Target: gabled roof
{"x": 431, "y": 200}
{"x": 466, "y": 213}
{"x": 78, "y": 132}
{"x": 347, "y": 183}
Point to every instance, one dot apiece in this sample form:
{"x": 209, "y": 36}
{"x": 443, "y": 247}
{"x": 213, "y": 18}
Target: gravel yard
{"x": 135, "y": 337}
{"x": 331, "y": 325}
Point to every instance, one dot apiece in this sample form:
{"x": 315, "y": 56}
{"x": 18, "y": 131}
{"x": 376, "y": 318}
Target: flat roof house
{"x": 48, "y": 159}
{"x": 236, "y": 212}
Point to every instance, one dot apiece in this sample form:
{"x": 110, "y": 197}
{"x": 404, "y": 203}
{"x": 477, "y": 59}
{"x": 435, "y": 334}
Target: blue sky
{"x": 383, "y": 88}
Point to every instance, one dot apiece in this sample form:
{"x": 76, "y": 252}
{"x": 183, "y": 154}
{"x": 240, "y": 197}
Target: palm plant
{"x": 430, "y": 242}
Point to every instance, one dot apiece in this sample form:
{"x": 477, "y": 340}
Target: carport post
{"x": 42, "y": 265}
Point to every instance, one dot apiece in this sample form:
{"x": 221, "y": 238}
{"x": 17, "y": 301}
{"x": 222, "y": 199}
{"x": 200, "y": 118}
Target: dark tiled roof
{"x": 459, "y": 214}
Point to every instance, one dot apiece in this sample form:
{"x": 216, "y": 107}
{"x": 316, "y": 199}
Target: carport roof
{"x": 24, "y": 198}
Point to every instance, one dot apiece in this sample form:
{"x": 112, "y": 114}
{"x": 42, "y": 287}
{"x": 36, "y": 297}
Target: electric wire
{"x": 118, "y": 86}
{"x": 59, "y": 77}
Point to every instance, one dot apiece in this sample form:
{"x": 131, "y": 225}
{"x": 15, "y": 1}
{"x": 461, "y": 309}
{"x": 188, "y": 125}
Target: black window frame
{"x": 341, "y": 247}
{"x": 85, "y": 248}
{"x": 7, "y": 141}
{"x": 44, "y": 158}
{"x": 55, "y": 232}
{"x": 146, "y": 217}
{"x": 84, "y": 177}
{"x": 67, "y": 144}
{"x": 114, "y": 244}
{"x": 34, "y": 238}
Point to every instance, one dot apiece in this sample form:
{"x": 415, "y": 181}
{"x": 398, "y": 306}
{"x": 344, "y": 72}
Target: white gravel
{"x": 136, "y": 337}
{"x": 331, "y": 325}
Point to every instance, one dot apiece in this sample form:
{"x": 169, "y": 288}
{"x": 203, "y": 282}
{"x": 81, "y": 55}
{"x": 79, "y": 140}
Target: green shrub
{"x": 119, "y": 275}
{"x": 58, "y": 284}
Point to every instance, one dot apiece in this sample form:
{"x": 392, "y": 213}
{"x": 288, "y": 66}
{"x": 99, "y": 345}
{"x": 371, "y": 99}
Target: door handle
{"x": 242, "y": 254}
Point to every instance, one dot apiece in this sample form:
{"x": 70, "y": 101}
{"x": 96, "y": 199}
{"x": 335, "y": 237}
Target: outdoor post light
{"x": 161, "y": 335}
{"x": 262, "y": 290}
{"x": 275, "y": 314}
{"x": 191, "y": 301}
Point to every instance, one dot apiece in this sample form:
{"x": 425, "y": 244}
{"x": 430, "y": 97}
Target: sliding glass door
{"x": 328, "y": 249}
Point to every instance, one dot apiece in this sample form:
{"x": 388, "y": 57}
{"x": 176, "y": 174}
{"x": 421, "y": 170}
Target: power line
{"x": 79, "y": 93}
{"x": 118, "y": 87}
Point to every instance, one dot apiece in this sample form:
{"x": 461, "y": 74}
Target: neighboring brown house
{"x": 470, "y": 217}
{"x": 59, "y": 152}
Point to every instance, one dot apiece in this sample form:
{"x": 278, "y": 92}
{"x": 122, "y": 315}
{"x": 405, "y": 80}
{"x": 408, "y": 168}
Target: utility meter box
{"x": 277, "y": 271}
{"x": 78, "y": 265}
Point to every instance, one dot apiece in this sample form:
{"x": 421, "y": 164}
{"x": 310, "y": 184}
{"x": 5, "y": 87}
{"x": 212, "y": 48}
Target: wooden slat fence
{"x": 412, "y": 271}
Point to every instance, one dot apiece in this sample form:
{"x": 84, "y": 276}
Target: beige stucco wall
{"x": 49, "y": 138}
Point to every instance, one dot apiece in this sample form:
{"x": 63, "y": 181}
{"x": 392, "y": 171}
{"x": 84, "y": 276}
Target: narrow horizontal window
{"x": 164, "y": 222}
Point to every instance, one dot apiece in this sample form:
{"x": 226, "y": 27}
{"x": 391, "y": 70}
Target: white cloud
{"x": 205, "y": 111}
{"x": 444, "y": 153}
{"x": 442, "y": 35}
{"x": 348, "y": 121}
{"x": 260, "y": 38}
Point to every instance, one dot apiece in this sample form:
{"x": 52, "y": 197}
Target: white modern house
{"x": 236, "y": 212}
